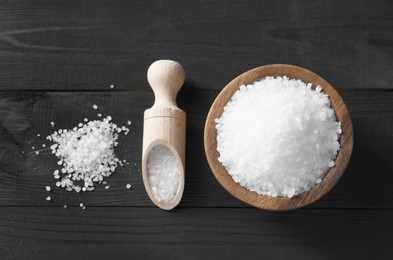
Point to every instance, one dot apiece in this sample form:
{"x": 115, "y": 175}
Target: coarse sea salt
{"x": 164, "y": 173}
{"x": 86, "y": 154}
{"x": 278, "y": 136}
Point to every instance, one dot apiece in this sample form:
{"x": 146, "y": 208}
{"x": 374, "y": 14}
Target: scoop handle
{"x": 165, "y": 77}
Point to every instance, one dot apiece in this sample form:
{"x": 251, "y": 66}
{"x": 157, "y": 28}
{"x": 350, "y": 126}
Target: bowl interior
{"x": 279, "y": 203}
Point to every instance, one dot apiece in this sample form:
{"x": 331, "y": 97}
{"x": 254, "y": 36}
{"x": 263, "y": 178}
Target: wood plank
{"x": 145, "y": 233}
{"x": 92, "y": 44}
{"x": 23, "y": 177}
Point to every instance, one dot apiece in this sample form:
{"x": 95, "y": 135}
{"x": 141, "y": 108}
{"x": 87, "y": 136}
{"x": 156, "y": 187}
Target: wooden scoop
{"x": 165, "y": 123}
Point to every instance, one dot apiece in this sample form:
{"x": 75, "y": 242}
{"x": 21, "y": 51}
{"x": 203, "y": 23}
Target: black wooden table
{"x": 58, "y": 58}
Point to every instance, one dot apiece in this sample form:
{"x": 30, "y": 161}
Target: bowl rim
{"x": 279, "y": 203}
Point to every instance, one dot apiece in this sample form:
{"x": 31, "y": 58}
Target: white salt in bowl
{"x": 278, "y": 203}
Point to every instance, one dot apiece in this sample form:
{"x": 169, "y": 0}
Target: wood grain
{"x": 150, "y": 233}
{"x": 23, "y": 177}
{"x": 280, "y": 203}
{"x": 88, "y": 45}
{"x": 71, "y": 44}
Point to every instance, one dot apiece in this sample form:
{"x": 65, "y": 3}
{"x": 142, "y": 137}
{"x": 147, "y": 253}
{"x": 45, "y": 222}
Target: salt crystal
{"x": 44, "y": 145}
{"x": 112, "y": 86}
{"x": 37, "y": 152}
{"x": 65, "y": 206}
{"x": 128, "y": 186}
{"x": 95, "y": 106}
{"x": 47, "y": 188}
{"x": 52, "y": 124}
{"x": 48, "y": 198}
{"x": 38, "y": 135}
{"x": 86, "y": 154}
{"x": 128, "y": 122}
{"x": 164, "y": 172}
{"x": 278, "y": 136}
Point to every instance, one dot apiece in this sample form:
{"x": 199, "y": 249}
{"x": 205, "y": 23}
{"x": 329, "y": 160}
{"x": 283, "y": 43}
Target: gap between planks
{"x": 190, "y": 90}
{"x": 246, "y": 207}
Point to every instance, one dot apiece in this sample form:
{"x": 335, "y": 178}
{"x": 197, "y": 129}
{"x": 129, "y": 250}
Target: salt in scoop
{"x": 164, "y": 131}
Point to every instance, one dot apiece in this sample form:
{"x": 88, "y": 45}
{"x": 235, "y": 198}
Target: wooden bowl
{"x": 278, "y": 203}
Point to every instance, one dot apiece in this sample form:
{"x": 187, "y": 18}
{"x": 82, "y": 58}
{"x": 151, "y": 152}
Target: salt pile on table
{"x": 86, "y": 153}
{"x": 278, "y": 136}
{"x": 164, "y": 173}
